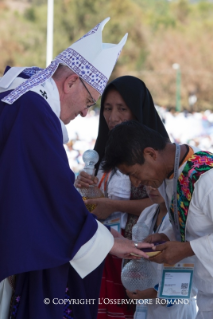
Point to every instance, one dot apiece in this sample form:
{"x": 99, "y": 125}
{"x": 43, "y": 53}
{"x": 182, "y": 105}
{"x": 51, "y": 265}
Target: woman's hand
{"x": 84, "y": 180}
{"x": 149, "y": 293}
{"x": 104, "y": 207}
{"x": 124, "y": 248}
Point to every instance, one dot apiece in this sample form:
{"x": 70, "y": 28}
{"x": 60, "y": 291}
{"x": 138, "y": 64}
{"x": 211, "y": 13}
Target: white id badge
{"x": 176, "y": 281}
{"x": 141, "y": 311}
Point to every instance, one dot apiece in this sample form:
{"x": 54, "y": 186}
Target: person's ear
{"x": 150, "y": 153}
{"x": 69, "y": 82}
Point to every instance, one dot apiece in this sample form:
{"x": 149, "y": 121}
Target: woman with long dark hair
{"x": 125, "y": 98}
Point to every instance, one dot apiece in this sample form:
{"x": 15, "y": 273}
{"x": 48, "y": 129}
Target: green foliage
{"x": 30, "y": 14}
{"x": 160, "y": 33}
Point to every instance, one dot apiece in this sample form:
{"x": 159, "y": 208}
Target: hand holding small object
{"x": 84, "y": 180}
{"x": 125, "y": 248}
{"x": 172, "y": 252}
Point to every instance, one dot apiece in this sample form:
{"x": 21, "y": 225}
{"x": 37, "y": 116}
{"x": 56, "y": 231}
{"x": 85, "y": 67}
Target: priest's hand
{"x": 172, "y": 252}
{"x": 149, "y": 293}
{"x": 84, "y": 180}
{"x": 115, "y": 233}
{"x": 125, "y": 248}
{"x": 104, "y": 207}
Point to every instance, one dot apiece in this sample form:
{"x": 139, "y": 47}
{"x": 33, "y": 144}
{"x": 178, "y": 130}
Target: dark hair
{"x": 126, "y": 144}
{"x": 138, "y": 99}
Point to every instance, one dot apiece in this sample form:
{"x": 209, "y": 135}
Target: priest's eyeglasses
{"x": 94, "y": 101}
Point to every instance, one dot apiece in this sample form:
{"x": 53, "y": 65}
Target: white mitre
{"x": 88, "y": 57}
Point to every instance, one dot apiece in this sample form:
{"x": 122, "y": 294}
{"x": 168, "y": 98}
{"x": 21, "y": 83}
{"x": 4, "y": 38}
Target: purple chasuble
{"x": 43, "y": 220}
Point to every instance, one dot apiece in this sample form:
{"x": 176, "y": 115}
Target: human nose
{"x": 84, "y": 112}
{"x": 135, "y": 181}
{"x": 149, "y": 189}
{"x": 113, "y": 116}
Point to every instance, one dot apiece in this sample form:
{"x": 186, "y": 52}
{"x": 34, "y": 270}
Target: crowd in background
{"x": 193, "y": 128}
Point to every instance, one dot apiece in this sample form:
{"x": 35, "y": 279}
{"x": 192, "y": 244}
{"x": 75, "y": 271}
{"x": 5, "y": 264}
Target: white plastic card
{"x": 141, "y": 311}
{"x": 176, "y": 281}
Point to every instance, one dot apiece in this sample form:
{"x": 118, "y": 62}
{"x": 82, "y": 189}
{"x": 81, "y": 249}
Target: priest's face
{"x": 78, "y": 100}
{"x": 115, "y": 110}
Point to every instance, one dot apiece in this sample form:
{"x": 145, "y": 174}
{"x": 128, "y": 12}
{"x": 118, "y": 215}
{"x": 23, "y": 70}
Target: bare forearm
{"x": 105, "y": 206}
{"x": 134, "y": 207}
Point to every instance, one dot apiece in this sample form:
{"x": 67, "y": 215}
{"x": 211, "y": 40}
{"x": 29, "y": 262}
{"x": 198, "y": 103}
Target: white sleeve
{"x": 203, "y": 198}
{"x": 169, "y": 232}
{"x": 119, "y": 186}
{"x": 91, "y": 254}
{"x": 5, "y": 298}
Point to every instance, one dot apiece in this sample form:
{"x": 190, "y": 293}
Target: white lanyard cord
{"x": 175, "y": 222}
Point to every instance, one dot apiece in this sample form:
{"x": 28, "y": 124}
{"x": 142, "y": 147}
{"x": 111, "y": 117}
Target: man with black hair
{"x": 148, "y": 159}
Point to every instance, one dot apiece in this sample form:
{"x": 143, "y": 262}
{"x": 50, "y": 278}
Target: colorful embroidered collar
{"x": 198, "y": 164}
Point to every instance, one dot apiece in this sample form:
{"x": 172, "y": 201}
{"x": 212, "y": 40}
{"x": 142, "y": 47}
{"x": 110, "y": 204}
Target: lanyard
{"x": 154, "y": 220}
{"x": 175, "y": 222}
{"x": 105, "y": 182}
{"x": 106, "y": 179}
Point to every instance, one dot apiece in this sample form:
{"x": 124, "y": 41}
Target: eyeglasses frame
{"x": 94, "y": 101}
